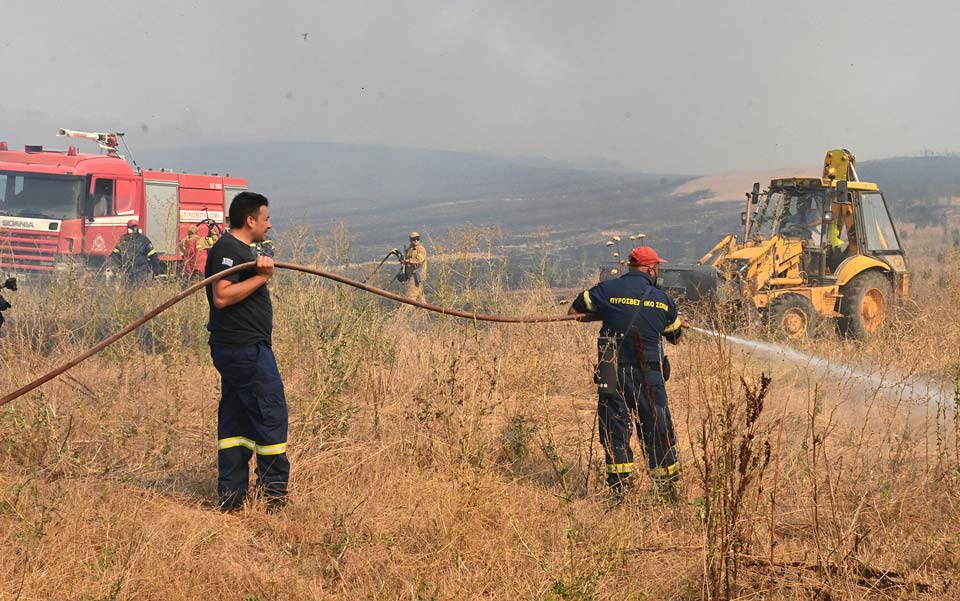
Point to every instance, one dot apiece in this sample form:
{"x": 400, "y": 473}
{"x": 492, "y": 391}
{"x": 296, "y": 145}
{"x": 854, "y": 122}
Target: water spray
{"x": 890, "y": 384}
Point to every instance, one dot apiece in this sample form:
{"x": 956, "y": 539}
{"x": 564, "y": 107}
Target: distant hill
{"x": 539, "y": 205}
{"x": 904, "y": 178}
{"x": 384, "y": 192}
{"x": 921, "y": 190}
{"x": 915, "y": 178}
{"x": 732, "y": 185}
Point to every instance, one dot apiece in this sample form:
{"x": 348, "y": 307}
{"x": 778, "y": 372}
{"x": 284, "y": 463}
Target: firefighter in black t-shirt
{"x": 632, "y": 369}
{"x": 252, "y": 417}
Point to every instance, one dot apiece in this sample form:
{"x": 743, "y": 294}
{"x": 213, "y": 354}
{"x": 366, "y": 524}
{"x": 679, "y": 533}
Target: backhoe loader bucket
{"x": 692, "y": 283}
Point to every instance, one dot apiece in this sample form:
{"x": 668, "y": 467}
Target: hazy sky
{"x": 669, "y": 86}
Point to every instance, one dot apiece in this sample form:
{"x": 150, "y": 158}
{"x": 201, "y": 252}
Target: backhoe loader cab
{"x": 812, "y": 249}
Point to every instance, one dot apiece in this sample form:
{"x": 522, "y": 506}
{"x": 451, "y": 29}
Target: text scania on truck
{"x": 62, "y": 204}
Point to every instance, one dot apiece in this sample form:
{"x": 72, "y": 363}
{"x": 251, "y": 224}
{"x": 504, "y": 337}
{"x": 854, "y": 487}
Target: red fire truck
{"x": 56, "y": 205}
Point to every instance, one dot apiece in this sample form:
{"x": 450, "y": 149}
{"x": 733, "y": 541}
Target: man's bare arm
{"x": 226, "y": 293}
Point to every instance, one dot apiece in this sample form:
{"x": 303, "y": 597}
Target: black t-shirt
{"x": 248, "y": 322}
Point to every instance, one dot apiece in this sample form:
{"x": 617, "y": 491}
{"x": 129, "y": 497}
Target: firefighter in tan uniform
{"x": 414, "y": 273}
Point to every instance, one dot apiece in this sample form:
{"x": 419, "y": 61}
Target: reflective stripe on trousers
{"x": 252, "y": 418}
{"x": 641, "y": 399}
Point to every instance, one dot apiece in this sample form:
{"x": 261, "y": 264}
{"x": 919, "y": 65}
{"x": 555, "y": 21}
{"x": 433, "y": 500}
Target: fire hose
{"x": 380, "y": 264}
{"x": 290, "y": 266}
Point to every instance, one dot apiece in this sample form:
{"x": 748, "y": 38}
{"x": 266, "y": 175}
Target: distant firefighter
{"x": 194, "y": 253}
{"x": 414, "y": 272}
{"x": 266, "y": 248}
{"x": 134, "y": 257}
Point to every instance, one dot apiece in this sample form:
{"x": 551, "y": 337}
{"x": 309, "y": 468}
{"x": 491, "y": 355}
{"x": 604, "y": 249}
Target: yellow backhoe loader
{"x": 811, "y": 249}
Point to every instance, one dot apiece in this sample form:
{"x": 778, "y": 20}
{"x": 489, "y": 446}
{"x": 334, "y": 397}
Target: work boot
{"x": 231, "y": 501}
{"x": 275, "y": 504}
{"x": 669, "y": 489}
{"x": 619, "y": 485}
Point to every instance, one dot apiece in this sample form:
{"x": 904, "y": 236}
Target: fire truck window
{"x": 126, "y": 200}
{"x": 41, "y": 195}
{"x": 102, "y": 198}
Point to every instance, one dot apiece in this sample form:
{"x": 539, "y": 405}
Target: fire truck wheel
{"x": 791, "y": 317}
{"x": 864, "y": 306}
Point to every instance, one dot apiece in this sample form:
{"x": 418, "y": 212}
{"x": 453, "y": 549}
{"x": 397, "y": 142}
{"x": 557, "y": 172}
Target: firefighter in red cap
{"x": 134, "y": 257}
{"x": 632, "y": 369}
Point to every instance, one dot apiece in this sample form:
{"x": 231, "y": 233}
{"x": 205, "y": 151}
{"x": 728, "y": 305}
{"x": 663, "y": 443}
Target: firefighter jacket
{"x": 192, "y": 250}
{"x": 191, "y": 242}
{"x": 635, "y": 312}
{"x": 135, "y": 256}
{"x": 415, "y": 263}
{"x": 265, "y": 248}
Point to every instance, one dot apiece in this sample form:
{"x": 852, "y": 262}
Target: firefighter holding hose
{"x": 252, "y": 417}
{"x": 632, "y": 369}
{"x": 414, "y": 269}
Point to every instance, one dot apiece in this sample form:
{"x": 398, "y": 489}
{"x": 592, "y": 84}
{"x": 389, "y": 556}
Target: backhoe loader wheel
{"x": 792, "y": 316}
{"x": 864, "y": 306}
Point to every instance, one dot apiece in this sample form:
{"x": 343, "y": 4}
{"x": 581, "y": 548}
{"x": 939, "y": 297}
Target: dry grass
{"x": 441, "y": 459}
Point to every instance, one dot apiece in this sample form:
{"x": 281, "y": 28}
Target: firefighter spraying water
{"x": 632, "y": 368}
{"x": 413, "y": 268}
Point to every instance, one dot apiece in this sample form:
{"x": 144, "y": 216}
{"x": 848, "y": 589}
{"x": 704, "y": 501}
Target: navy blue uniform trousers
{"x": 642, "y": 398}
{"x": 252, "y": 418}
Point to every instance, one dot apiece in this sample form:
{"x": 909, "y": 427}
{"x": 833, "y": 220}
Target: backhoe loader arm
{"x": 727, "y": 244}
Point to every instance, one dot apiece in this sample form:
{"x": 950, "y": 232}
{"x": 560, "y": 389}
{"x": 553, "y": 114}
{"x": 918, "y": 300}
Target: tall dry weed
{"x": 439, "y": 458}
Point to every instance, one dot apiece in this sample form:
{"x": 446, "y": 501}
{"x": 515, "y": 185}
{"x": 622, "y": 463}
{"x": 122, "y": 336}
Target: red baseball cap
{"x": 644, "y": 255}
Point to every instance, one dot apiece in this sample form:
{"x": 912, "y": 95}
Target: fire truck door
{"x": 162, "y": 215}
{"x": 101, "y": 225}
